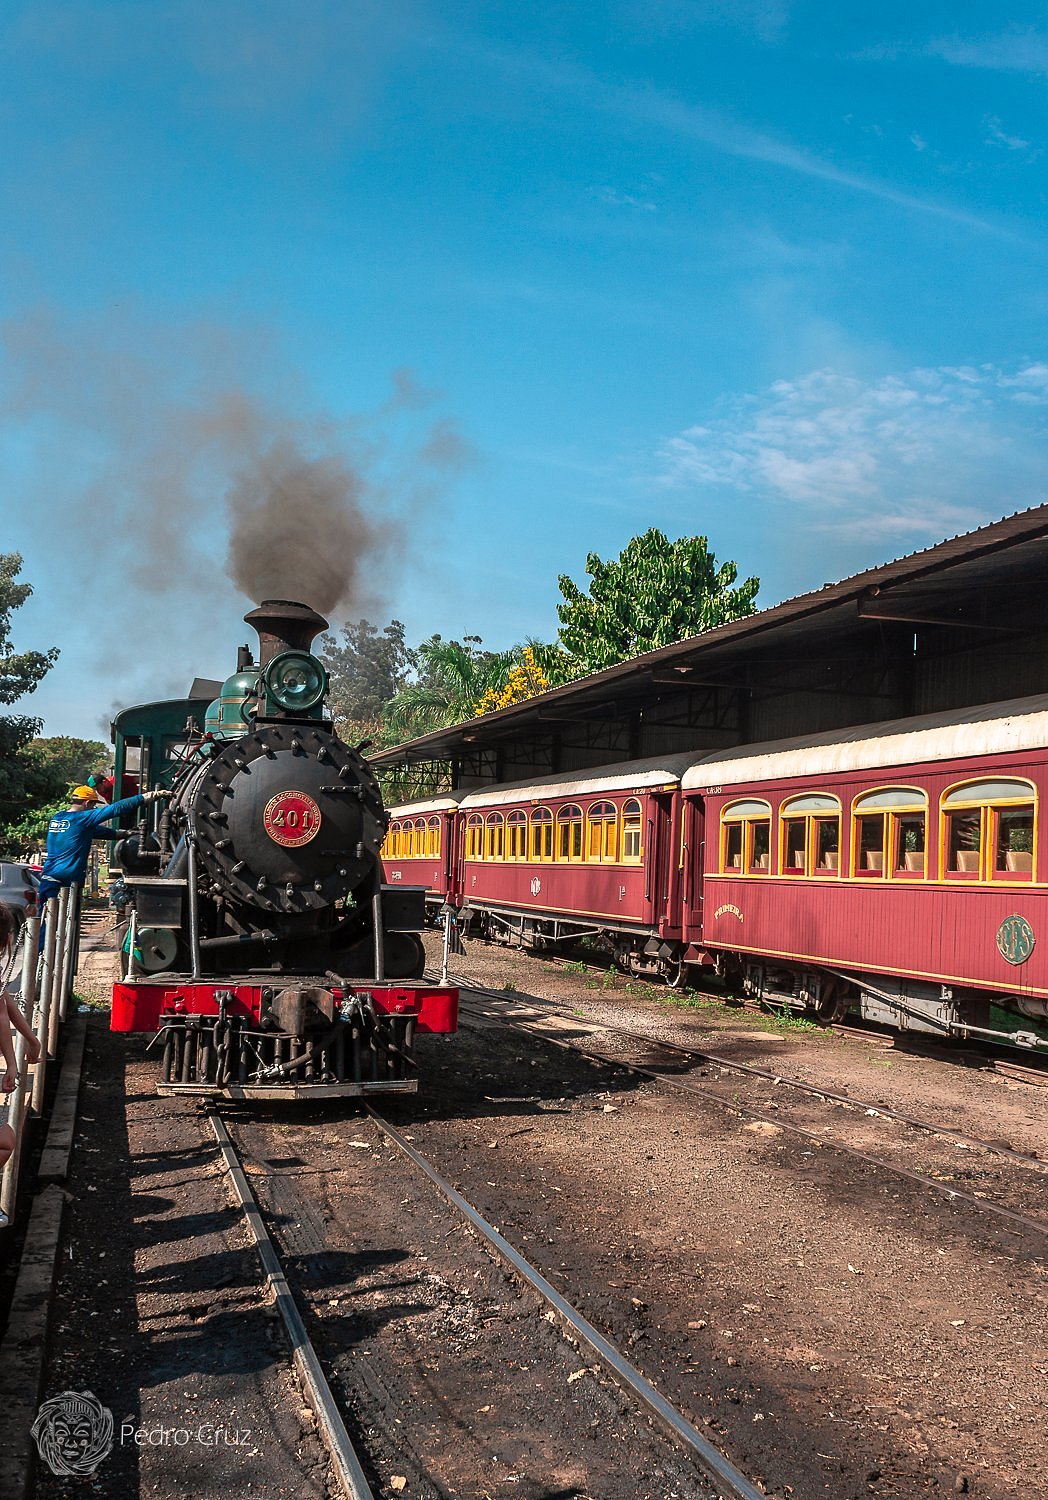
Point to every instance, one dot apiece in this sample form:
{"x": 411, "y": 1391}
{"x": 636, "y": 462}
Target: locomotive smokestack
{"x": 283, "y": 625}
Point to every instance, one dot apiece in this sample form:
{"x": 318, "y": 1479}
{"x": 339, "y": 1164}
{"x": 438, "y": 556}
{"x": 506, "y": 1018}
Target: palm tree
{"x": 453, "y": 677}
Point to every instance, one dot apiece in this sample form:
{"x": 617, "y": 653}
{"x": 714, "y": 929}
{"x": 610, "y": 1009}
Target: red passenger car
{"x": 420, "y": 847}
{"x": 558, "y": 858}
{"x": 896, "y": 868}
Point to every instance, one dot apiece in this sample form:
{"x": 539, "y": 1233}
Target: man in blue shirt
{"x": 70, "y": 833}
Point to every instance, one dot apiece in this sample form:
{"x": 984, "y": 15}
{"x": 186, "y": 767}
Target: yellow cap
{"x": 86, "y": 794}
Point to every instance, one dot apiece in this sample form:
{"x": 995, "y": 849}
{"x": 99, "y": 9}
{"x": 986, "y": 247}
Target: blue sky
{"x": 539, "y": 277}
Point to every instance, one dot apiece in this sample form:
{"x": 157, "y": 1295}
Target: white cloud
{"x": 643, "y": 105}
{"x": 997, "y": 136}
{"x": 910, "y": 456}
{"x": 1018, "y": 50}
{"x": 614, "y": 198}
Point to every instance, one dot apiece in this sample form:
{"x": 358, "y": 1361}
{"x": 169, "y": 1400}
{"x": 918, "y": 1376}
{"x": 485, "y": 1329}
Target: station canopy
{"x": 961, "y": 623}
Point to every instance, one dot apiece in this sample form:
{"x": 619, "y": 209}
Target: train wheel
{"x": 833, "y": 1002}
{"x": 405, "y": 955}
{"x": 677, "y": 975}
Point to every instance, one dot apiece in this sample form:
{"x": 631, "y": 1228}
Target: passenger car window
{"x": 988, "y": 831}
{"x": 474, "y": 836}
{"x": 517, "y": 835}
{"x": 811, "y": 835}
{"x": 632, "y": 845}
{"x": 541, "y": 834}
{"x": 889, "y": 834}
{"x": 746, "y": 837}
{"x": 602, "y": 824}
{"x": 569, "y": 833}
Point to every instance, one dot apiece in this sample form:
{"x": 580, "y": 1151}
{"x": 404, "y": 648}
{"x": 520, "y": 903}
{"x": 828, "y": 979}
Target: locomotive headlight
{"x": 296, "y": 681}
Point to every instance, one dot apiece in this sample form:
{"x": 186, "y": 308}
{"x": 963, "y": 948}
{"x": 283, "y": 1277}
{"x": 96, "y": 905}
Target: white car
{"x": 18, "y": 888}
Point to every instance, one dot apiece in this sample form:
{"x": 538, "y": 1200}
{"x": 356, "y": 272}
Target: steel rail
{"x": 936, "y": 1186}
{"x": 336, "y": 1438}
{"x": 719, "y": 1468}
{"x": 1027, "y": 1159}
{"x": 1033, "y": 1075}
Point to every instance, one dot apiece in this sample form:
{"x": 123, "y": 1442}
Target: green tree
{"x": 20, "y": 672}
{"x": 452, "y": 678}
{"x": 53, "y": 766}
{"x": 368, "y": 667}
{"x": 654, "y": 593}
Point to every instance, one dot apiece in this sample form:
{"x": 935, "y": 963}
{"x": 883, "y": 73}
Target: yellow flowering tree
{"x": 523, "y": 680}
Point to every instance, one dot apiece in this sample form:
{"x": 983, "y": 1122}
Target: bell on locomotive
{"x": 264, "y": 945}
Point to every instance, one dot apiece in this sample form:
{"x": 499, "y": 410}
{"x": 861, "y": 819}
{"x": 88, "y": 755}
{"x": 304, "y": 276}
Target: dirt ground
{"x": 159, "y": 1310}
{"x": 454, "y": 1379}
{"x": 837, "y": 1329}
{"x": 849, "y": 1331}
{"x": 868, "y": 1067}
{"x": 463, "y": 1384}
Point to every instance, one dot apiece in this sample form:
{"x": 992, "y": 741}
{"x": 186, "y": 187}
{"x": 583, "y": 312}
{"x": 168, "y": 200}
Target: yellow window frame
{"x": 540, "y": 835}
{"x": 495, "y": 837}
{"x": 810, "y": 817}
{"x": 570, "y": 832}
{"x": 631, "y": 823}
{"x": 989, "y": 810}
{"x": 474, "y": 837}
{"x": 891, "y": 813}
{"x": 516, "y": 836}
{"x": 747, "y": 823}
{"x": 601, "y": 834}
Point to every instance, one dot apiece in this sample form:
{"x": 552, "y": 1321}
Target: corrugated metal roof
{"x": 969, "y": 558}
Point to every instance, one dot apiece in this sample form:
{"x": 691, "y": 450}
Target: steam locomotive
{"x": 263, "y": 948}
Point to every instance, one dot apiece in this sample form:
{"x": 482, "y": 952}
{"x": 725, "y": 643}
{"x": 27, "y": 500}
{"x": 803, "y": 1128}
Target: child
{"x": 10, "y": 1015}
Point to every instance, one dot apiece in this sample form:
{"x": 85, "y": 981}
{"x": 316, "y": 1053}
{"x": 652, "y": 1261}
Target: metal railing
{"x": 48, "y": 970}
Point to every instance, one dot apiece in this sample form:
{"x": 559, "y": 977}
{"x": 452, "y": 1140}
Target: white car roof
{"x": 987, "y": 729}
{"x": 443, "y": 803}
{"x": 630, "y": 775}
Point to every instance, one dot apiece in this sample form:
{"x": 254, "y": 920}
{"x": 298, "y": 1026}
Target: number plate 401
{"x": 291, "y": 818}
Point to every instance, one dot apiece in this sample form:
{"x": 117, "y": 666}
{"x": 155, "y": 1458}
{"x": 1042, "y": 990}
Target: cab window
{"x": 810, "y": 838}
{"x": 988, "y": 831}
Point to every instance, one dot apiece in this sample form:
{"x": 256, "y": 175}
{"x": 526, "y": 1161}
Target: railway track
{"x": 969, "y": 1052}
{"x": 726, "y": 1481}
{"x": 784, "y": 1081}
{"x": 971, "y": 1200}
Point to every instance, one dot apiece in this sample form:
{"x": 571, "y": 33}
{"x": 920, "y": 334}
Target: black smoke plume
{"x": 306, "y": 528}
{"x": 173, "y": 464}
